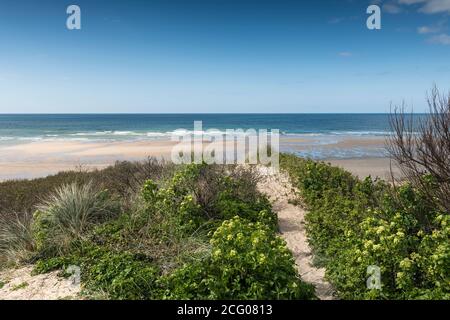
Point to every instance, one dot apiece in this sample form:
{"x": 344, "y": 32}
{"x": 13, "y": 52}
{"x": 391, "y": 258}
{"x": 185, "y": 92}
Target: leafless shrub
{"x": 125, "y": 176}
{"x": 248, "y": 177}
{"x": 209, "y": 184}
{"x": 421, "y": 146}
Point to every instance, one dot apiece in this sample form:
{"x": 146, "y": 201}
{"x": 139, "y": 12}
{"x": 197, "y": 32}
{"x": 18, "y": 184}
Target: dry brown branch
{"x": 421, "y": 146}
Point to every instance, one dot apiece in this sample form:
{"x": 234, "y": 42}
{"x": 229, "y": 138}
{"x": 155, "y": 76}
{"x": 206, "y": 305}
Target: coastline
{"x": 43, "y": 158}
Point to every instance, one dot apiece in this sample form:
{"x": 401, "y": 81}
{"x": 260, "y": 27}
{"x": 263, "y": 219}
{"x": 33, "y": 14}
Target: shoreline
{"x": 39, "y": 159}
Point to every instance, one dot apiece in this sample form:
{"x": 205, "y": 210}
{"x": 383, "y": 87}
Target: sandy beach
{"x": 375, "y": 167}
{"x": 38, "y": 159}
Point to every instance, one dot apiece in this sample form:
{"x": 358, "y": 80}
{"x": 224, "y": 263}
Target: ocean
{"x": 310, "y": 135}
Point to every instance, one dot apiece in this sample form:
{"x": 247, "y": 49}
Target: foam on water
{"x": 315, "y": 133}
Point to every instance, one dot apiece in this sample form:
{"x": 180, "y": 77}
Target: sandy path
{"x": 19, "y": 284}
{"x": 291, "y": 221}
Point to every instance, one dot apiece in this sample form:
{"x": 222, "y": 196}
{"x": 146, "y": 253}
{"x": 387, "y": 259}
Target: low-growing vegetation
{"x": 20, "y": 286}
{"x": 189, "y": 232}
{"x": 354, "y": 224}
{"x": 248, "y": 261}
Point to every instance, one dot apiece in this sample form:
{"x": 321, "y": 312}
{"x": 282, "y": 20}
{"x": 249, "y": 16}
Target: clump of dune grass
{"x": 122, "y": 179}
{"x": 16, "y": 238}
{"x": 68, "y": 214}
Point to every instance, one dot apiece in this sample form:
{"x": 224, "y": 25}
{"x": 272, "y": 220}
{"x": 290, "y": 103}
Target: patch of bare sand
{"x": 74, "y": 149}
{"x": 19, "y": 284}
{"x": 375, "y": 167}
{"x": 291, "y": 221}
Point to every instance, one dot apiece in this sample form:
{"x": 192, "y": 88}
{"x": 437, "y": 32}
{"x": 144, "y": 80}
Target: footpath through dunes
{"x": 291, "y": 219}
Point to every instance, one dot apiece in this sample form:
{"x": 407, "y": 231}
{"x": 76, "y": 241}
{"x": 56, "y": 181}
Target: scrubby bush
{"x": 201, "y": 194}
{"x": 248, "y": 261}
{"x": 159, "y": 238}
{"x": 166, "y": 236}
{"x": 68, "y": 214}
{"x": 253, "y": 207}
{"x": 354, "y": 224}
{"x": 205, "y": 232}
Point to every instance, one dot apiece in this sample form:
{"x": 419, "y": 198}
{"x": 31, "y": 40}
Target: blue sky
{"x": 221, "y": 56}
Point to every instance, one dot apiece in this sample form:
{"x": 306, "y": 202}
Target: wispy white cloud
{"x": 429, "y": 6}
{"x": 345, "y": 54}
{"x": 441, "y": 39}
{"x": 439, "y": 27}
{"x": 411, "y": 1}
{"x": 392, "y": 8}
{"x": 428, "y": 29}
{"x": 336, "y": 20}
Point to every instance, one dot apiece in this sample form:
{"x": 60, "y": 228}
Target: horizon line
{"x": 202, "y": 113}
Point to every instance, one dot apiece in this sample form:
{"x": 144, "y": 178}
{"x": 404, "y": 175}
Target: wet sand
{"x": 38, "y": 159}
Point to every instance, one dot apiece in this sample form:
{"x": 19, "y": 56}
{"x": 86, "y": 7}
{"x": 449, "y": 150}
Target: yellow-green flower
{"x": 405, "y": 263}
{"x": 262, "y": 258}
{"x": 217, "y": 253}
{"x": 380, "y": 229}
{"x": 400, "y": 234}
{"x": 368, "y": 244}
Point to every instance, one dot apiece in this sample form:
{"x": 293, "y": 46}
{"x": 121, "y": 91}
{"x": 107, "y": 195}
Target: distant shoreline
{"x": 40, "y": 144}
{"x": 39, "y": 159}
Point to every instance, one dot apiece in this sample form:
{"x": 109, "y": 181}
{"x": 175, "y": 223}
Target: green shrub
{"x": 122, "y": 275}
{"x": 166, "y": 243}
{"x": 68, "y": 214}
{"x": 256, "y": 208}
{"x": 354, "y": 224}
{"x": 248, "y": 261}
{"x": 200, "y": 195}
{"x": 119, "y": 275}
